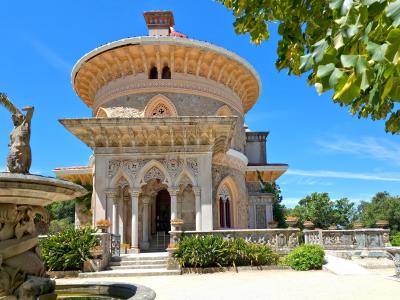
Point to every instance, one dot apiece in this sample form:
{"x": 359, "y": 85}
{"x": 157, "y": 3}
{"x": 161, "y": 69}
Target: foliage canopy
{"x": 323, "y": 212}
{"x": 349, "y": 46}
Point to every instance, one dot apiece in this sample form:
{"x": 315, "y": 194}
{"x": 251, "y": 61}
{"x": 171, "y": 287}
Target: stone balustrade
{"x": 357, "y": 239}
{"x": 280, "y": 240}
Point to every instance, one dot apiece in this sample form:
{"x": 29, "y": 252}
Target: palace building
{"x": 168, "y": 136}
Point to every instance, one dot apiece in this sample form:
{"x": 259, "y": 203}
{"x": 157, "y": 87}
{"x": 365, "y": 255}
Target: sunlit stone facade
{"x": 168, "y": 136}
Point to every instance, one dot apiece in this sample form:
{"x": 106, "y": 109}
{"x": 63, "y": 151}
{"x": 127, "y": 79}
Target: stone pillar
{"x": 115, "y": 217}
{"x": 197, "y": 193}
{"x": 135, "y": 221}
{"x": 174, "y": 206}
{"x": 145, "y": 243}
{"x": 205, "y": 182}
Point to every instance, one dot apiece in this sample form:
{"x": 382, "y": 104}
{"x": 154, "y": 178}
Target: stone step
{"x": 138, "y": 262}
{"x": 130, "y": 273}
{"x": 141, "y": 257}
{"x": 136, "y": 267}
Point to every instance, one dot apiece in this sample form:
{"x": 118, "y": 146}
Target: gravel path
{"x": 272, "y": 284}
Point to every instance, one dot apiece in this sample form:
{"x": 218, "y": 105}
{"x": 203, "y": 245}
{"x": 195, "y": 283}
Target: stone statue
{"x": 19, "y": 156}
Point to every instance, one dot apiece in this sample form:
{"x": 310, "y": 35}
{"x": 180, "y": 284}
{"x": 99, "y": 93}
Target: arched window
{"x": 224, "y": 207}
{"x": 166, "y": 73}
{"x": 160, "y": 106}
{"x": 153, "y": 73}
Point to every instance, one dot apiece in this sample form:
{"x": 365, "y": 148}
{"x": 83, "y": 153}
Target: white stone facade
{"x": 168, "y": 138}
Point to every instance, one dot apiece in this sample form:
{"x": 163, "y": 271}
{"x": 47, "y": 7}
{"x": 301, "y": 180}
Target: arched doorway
{"x": 163, "y": 211}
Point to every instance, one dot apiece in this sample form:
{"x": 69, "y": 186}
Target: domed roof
{"x": 215, "y": 67}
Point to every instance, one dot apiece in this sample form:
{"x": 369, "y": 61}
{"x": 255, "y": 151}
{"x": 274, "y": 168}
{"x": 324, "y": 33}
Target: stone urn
{"x": 292, "y": 221}
{"x": 382, "y": 223}
{"x": 103, "y": 225}
{"x": 273, "y": 224}
{"x": 176, "y": 224}
{"x": 308, "y": 225}
{"x": 358, "y": 225}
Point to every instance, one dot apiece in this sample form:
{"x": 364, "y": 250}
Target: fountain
{"x": 23, "y": 197}
{"x": 394, "y": 253}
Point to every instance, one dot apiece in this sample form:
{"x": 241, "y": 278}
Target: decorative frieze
{"x": 347, "y": 239}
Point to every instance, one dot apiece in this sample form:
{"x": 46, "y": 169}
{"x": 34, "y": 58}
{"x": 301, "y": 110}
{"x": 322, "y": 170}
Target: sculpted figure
{"x": 19, "y": 156}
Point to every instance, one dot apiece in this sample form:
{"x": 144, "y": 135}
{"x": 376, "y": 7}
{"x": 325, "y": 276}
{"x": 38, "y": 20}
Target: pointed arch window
{"x": 160, "y": 106}
{"x": 224, "y": 207}
{"x": 166, "y": 73}
{"x": 153, "y": 74}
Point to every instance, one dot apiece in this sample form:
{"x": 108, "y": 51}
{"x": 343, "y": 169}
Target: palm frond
{"x": 6, "y": 102}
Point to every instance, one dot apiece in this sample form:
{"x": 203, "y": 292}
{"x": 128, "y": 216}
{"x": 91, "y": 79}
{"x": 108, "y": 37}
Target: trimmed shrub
{"x": 306, "y": 257}
{"x": 213, "y": 251}
{"x": 395, "y": 239}
{"x": 68, "y": 249}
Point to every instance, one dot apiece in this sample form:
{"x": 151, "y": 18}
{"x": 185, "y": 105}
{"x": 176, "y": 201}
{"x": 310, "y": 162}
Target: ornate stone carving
{"x": 119, "y": 112}
{"x": 154, "y": 173}
{"x": 174, "y": 166}
{"x": 224, "y": 193}
{"x": 192, "y": 164}
{"x": 19, "y": 254}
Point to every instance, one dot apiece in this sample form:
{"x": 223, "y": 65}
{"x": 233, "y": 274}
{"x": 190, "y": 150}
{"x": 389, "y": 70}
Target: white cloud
{"x": 50, "y": 56}
{"x": 345, "y": 175}
{"x": 370, "y": 147}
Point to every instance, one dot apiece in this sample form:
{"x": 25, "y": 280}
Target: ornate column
{"x": 174, "y": 207}
{"x": 113, "y": 196}
{"x": 135, "y": 221}
{"x": 197, "y": 193}
{"x": 145, "y": 243}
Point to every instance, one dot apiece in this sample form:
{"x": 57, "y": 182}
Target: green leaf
{"x": 349, "y": 91}
{"x": 354, "y": 61}
{"x": 306, "y": 62}
{"x": 393, "y": 50}
{"x": 343, "y": 6}
{"x": 393, "y": 12}
{"x": 364, "y": 82}
{"x": 376, "y": 51}
{"x": 338, "y": 41}
{"x": 319, "y": 50}
{"x": 325, "y": 70}
{"x": 388, "y": 87}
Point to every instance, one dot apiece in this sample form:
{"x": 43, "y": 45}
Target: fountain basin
{"x": 21, "y": 189}
{"x": 394, "y": 253}
{"x": 104, "y": 290}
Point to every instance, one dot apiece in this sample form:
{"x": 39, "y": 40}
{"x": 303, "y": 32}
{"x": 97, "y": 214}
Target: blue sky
{"x": 327, "y": 149}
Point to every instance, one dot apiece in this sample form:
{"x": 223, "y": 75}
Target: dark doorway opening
{"x": 163, "y": 211}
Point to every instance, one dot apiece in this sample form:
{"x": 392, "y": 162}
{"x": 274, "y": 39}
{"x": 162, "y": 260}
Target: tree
{"x": 323, "y": 212}
{"x": 344, "y": 212}
{"x": 383, "y": 206}
{"x": 349, "y": 46}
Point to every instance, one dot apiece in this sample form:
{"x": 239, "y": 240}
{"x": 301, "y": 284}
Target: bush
{"x": 395, "y": 239}
{"x": 306, "y": 257}
{"x": 68, "y": 249}
{"x": 213, "y": 251}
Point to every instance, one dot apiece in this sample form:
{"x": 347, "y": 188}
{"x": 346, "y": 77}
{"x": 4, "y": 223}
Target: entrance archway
{"x": 163, "y": 211}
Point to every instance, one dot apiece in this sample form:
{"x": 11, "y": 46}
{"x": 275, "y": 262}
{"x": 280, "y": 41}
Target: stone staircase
{"x": 133, "y": 265}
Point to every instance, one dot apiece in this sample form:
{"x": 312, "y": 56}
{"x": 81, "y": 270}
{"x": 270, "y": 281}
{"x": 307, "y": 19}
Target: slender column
{"x": 145, "y": 243}
{"x": 111, "y": 196}
{"x": 174, "y": 207}
{"x": 115, "y": 219}
{"x": 197, "y": 193}
{"x": 135, "y": 221}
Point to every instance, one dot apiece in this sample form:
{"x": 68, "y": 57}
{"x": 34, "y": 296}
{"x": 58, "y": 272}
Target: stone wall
{"x": 186, "y": 105}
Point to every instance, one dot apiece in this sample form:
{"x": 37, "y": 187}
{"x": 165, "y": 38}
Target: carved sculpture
{"x": 19, "y": 156}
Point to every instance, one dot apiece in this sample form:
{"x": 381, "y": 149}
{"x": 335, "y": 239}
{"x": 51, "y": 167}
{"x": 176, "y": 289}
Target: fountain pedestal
{"x": 394, "y": 253}
{"x": 22, "y": 197}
